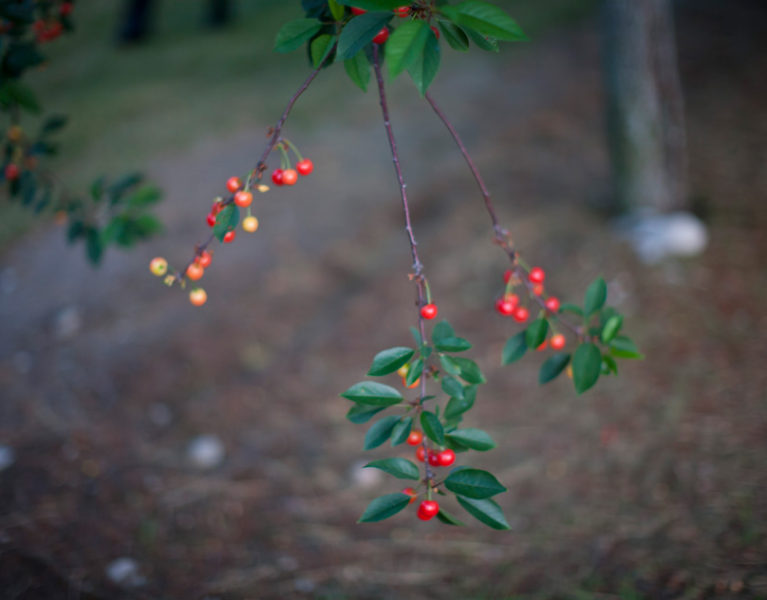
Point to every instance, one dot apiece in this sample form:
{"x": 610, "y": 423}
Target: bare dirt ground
{"x": 650, "y": 486}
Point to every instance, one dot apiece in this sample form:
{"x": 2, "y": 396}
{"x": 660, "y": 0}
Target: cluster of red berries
{"x": 47, "y": 30}
{"x": 443, "y": 458}
{"x": 241, "y": 198}
{"x": 19, "y": 152}
{"x": 290, "y": 176}
{"x": 427, "y": 510}
{"x": 383, "y": 35}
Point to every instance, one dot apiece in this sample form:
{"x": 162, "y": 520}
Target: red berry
{"x": 521, "y": 314}
{"x": 198, "y": 297}
{"x": 289, "y": 177}
{"x": 436, "y": 31}
{"x": 538, "y": 289}
{"x": 433, "y": 459}
{"x": 558, "y": 341}
{"x": 194, "y": 272}
{"x": 427, "y": 510}
{"x": 505, "y": 307}
{"x": 543, "y": 345}
{"x": 229, "y": 237}
{"x": 536, "y": 275}
{"x": 358, "y": 11}
{"x": 204, "y": 259}
{"x": 211, "y": 218}
{"x": 429, "y": 311}
{"x": 507, "y": 275}
{"x": 66, "y": 9}
{"x": 381, "y": 36}
{"x": 11, "y": 172}
{"x": 415, "y": 437}
{"x": 402, "y": 11}
{"x": 233, "y": 184}
{"x": 420, "y": 453}
{"x": 446, "y": 458}
{"x": 304, "y": 167}
{"x": 552, "y": 304}
{"x": 243, "y": 199}
{"x": 277, "y": 177}
{"x": 410, "y": 492}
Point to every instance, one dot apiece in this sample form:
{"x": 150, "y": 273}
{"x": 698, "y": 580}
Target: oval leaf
{"x": 425, "y": 67}
{"x": 476, "y": 439}
{"x": 360, "y": 413}
{"x": 360, "y": 31}
{"x": 432, "y": 428}
{"x": 384, "y": 507}
{"x": 485, "y": 18}
{"x": 373, "y": 394}
{"x": 473, "y": 483}
{"x": 406, "y": 45}
{"x": 587, "y": 364}
{"x": 452, "y": 387}
{"x": 515, "y": 348}
{"x": 295, "y": 33}
{"x": 536, "y": 333}
{"x": 401, "y": 468}
{"x": 468, "y": 370}
{"x": 401, "y": 431}
{"x": 452, "y": 344}
{"x": 388, "y": 361}
{"x": 624, "y": 347}
{"x": 596, "y": 295}
{"x": 486, "y": 511}
{"x": 380, "y": 432}
{"x": 358, "y": 70}
{"x": 448, "y": 519}
{"x": 553, "y": 367}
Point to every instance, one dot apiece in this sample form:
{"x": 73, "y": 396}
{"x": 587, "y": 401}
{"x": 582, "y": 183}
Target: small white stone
{"x": 125, "y": 572}
{"x": 206, "y": 451}
{"x": 655, "y": 237}
{"x": 365, "y": 478}
{"x": 7, "y": 457}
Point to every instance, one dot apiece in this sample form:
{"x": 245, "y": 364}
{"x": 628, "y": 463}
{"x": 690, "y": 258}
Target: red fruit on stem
{"x": 211, "y": 219}
{"x": 410, "y": 492}
{"x": 543, "y": 345}
{"x": 243, "y": 199}
{"x": 204, "y": 259}
{"x": 433, "y": 459}
{"x": 538, "y": 289}
{"x": 233, "y": 184}
{"x": 277, "y": 177}
{"x": 536, "y": 275}
{"x": 229, "y": 237}
{"x": 446, "y": 458}
{"x": 427, "y": 510}
{"x": 381, "y": 36}
{"x": 552, "y": 304}
{"x": 420, "y": 453}
{"x": 198, "y": 297}
{"x": 289, "y": 177}
{"x": 429, "y": 311}
{"x": 507, "y": 276}
{"x": 505, "y": 307}
{"x": 304, "y": 167}
{"x": 521, "y": 314}
{"x": 358, "y": 11}
{"x": 415, "y": 437}
{"x": 194, "y": 272}
{"x": 402, "y": 11}
{"x": 12, "y": 172}
{"x": 558, "y": 341}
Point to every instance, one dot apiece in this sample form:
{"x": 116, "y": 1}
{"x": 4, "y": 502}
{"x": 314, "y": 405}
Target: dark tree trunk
{"x": 136, "y": 21}
{"x": 645, "y": 106}
{"x": 219, "y": 12}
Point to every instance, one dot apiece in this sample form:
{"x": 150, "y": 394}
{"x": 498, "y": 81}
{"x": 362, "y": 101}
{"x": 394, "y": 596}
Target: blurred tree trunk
{"x": 219, "y": 12}
{"x": 645, "y": 106}
{"x": 138, "y": 16}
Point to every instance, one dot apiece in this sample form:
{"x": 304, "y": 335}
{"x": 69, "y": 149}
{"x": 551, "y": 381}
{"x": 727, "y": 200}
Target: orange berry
{"x": 158, "y": 266}
{"x": 198, "y": 297}
{"x": 243, "y": 199}
{"x": 194, "y": 272}
{"x": 250, "y": 224}
{"x": 289, "y": 177}
{"x": 204, "y": 259}
{"x": 233, "y": 184}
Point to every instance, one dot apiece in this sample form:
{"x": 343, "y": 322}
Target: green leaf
{"x": 473, "y": 483}
{"x": 485, "y": 18}
{"x": 416, "y": 336}
{"x": 406, "y": 45}
{"x": 624, "y": 347}
{"x": 358, "y": 70}
{"x": 401, "y": 468}
{"x": 336, "y": 9}
{"x": 226, "y": 220}
{"x": 295, "y": 33}
{"x": 401, "y": 431}
{"x": 380, "y": 432}
{"x": 515, "y": 348}
{"x": 455, "y": 36}
{"x": 571, "y": 308}
{"x": 609, "y": 364}
{"x": 596, "y": 294}
{"x": 320, "y": 47}
{"x": 361, "y": 413}
{"x": 388, "y": 361}
{"x": 360, "y": 31}
{"x": 482, "y": 41}
{"x": 432, "y": 428}
{"x": 373, "y": 393}
{"x": 119, "y": 187}
{"x": 94, "y": 246}
{"x": 145, "y": 196}
{"x": 13, "y": 93}
{"x": 452, "y": 387}
{"x": 468, "y": 370}
{"x": 384, "y": 507}
{"x": 53, "y": 124}
{"x": 486, "y": 511}
{"x": 553, "y": 366}
{"x": 611, "y": 328}
{"x": 587, "y": 364}
{"x": 425, "y": 67}
{"x": 374, "y": 4}
{"x": 414, "y": 372}
{"x": 476, "y": 439}
{"x": 457, "y": 406}
{"x": 452, "y": 344}
{"x": 448, "y": 519}
{"x": 536, "y": 333}
{"x": 449, "y": 366}
{"x": 442, "y": 330}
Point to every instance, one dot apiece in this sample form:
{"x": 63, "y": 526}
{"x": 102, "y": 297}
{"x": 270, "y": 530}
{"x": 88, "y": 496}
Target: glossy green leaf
{"x": 432, "y": 428}
{"x": 414, "y": 372}
{"x": 358, "y": 70}
{"x": 380, "y": 432}
{"x": 226, "y": 220}
{"x": 553, "y": 366}
{"x": 406, "y": 45}
{"x": 609, "y": 365}
{"x": 384, "y": 507}
{"x": 336, "y": 9}
{"x": 388, "y": 361}
{"x": 475, "y": 439}
{"x": 457, "y": 406}
{"x": 442, "y": 330}
{"x": 321, "y": 46}
{"x": 360, "y": 31}
{"x": 13, "y": 93}
{"x": 452, "y": 344}
{"x": 449, "y": 366}
{"x": 448, "y": 519}
{"x": 486, "y": 511}
{"x": 400, "y": 468}
{"x": 454, "y": 35}
{"x": 295, "y": 34}
{"x": 401, "y": 431}
{"x": 373, "y": 393}
{"x": 596, "y": 295}
{"x": 515, "y": 348}
{"x": 587, "y": 365}
{"x": 473, "y": 483}
{"x": 452, "y": 387}
{"x": 468, "y": 370}
{"x": 361, "y": 413}
{"x": 536, "y": 332}
{"x": 425, "y": 67}
{"x": 482, "y": 41}
{"x": 611, "y": 328}
{"x": 624, "y": 347}
{"x": 416, "y": 336}
{"x": 487, "y": 19}
{"x": 567, "y": 307}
